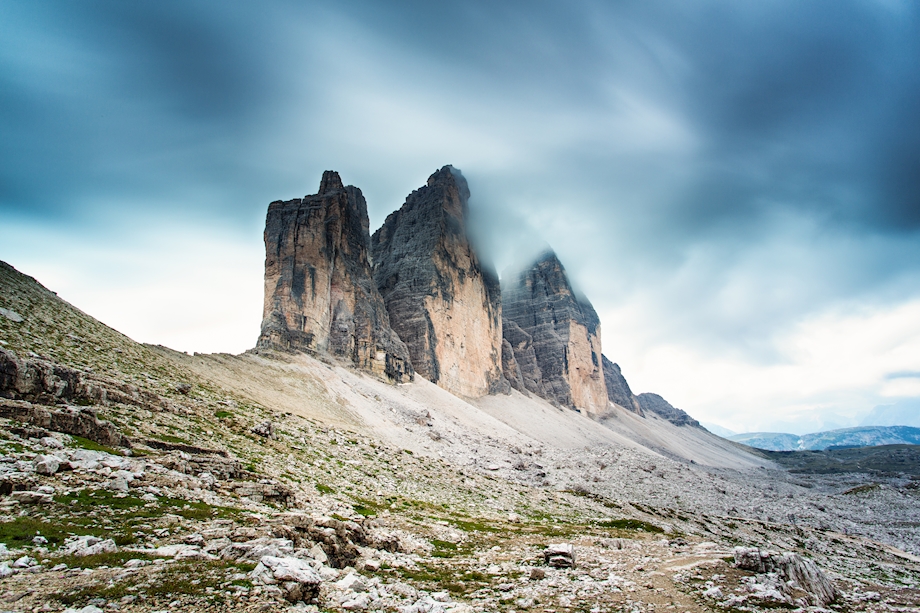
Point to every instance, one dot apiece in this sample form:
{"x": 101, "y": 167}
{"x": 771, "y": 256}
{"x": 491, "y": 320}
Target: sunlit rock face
{"x": 555, "y": 336}
{"x": 618, "y": 391}
{"x": 320, "y": 296}
{"x": 442, "y": 301}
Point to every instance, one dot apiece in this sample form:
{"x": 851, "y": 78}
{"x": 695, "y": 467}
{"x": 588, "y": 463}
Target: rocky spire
{"x": 442, "y": 301}
{"x": 320, "y": 296}
{"x": 555, "y": 335}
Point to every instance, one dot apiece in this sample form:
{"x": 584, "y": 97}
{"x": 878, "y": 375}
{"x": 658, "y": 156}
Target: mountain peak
{"x": 330, "y": 182}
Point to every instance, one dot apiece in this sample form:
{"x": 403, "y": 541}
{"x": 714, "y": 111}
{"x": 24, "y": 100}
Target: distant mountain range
{"x": 864, "y": 436}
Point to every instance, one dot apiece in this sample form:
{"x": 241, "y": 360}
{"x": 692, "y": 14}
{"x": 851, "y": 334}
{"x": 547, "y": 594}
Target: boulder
{"x": 32, "y": 497}
{"x": 298, "y": 580}
{"x": 87, "y": 545}
{"x": 265, "y": 429}
{"x": 560, "y": 555}
{"x": 801, "y": 572}
{"x": 46, "y": 464}
{"x": 444, "y": 303}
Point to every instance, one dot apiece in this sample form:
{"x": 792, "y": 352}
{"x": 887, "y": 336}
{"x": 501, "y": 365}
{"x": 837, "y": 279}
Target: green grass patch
{"x": 630, "y": 524}
{"x": 192, "y": 578}
{"x": 114, "y": 558}
{"x": 223, "y": 414}
{"x": 20, "y": 531}
{"x": 444, "y": 549}
{"x": 324, "y": 489}
{"x": 85, "y": 443}
{"x": 127, "y": 508}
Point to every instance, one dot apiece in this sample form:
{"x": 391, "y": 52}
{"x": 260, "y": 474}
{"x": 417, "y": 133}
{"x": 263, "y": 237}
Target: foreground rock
{"x": 442, "y": 301}
{"x": 78, "y": 421}
{"x": 560, "y": 555}
{"x": 790, "y": 568}
{"x": 296, "y": 578}
{"x": 564, "y": 336}
{"x": 319, "y": 293}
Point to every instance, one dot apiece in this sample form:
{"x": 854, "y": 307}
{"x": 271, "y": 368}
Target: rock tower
{"x": 555, "y": 336}
{"x": 320, "y": 296}
{"x": 444, "y": 304}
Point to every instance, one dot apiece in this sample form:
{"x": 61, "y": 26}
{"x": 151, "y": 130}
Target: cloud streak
{"x": 714, "y": 176}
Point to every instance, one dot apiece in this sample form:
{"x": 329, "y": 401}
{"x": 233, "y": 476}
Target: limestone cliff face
{"x": 618, "y": 390}
{"x": 320, "y": 296}
{"x": 564, "y": 333}
{"x": 521, "y": 345}
{"x": 442, "y": 301}
{"x": 654, "y": 403}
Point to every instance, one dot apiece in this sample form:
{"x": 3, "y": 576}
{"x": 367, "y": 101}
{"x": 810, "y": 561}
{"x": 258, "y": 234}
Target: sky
{"x": 734, "y": 185}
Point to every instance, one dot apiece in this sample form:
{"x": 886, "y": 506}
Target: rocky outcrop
{"x": 442, "y": 301}
{"x": 564, "y": 336}
{"x": 78, "y": 421}
{"x": 320, "y": 296}
{"x": 792, "y": 570}
{"x": 653, "y": 403}
{"x": 618, "y": 391}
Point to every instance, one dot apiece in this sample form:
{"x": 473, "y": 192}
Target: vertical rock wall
{"x": 320, "y": 296}
{"x": 618, "y": 390}
{"x": 564, "y": 336}
{"x": 442, "y": 302}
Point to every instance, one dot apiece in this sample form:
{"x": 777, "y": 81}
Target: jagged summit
{"x": 555, "y": 336}
{"x": 442, "y": 301}
{"x": 319, "y": 293}
{"x": 330, "y": 182}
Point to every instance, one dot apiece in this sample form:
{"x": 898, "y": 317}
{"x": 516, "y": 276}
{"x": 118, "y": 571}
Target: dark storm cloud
{"x": 746, "y": 162}
{"x": 111, "y": 101}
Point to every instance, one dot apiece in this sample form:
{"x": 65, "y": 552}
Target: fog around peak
{"x": 733, "y": 186}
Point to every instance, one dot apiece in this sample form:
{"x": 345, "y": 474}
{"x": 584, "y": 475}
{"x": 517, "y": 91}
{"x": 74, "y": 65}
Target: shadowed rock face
{"x": 656, "y": 404}
{"x": 442, "y": 302}
{"x": 521, "y": 345}
{"x": 618, "y": 390}
{"x": 320, "y": 296}
{"x": 511, "y": 369}
{"x": 564, "y": 336}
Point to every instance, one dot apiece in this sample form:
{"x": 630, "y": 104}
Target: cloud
{"x": 712, "y": 174}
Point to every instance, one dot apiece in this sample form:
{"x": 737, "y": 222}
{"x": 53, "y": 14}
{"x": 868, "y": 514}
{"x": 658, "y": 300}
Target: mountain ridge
{"x": 859, "y": 436}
